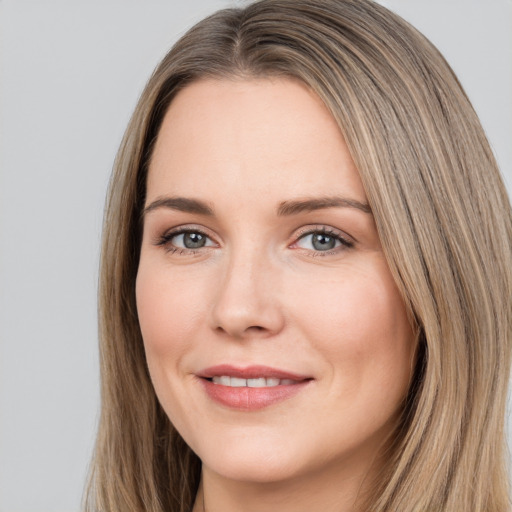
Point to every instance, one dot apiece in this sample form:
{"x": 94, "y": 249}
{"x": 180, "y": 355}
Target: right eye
{"x": 186, "y": 240}
{"x": 190, "y": 240}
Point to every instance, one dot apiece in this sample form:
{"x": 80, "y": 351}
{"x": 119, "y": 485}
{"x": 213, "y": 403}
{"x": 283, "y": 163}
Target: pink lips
{"x": 251, "y": 398}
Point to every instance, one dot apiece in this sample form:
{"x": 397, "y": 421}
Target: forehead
{"x": 268, "y": 136}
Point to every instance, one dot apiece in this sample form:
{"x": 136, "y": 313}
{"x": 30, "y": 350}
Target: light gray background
{"x": 71, "y": 72}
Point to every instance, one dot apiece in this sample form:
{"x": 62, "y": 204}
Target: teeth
{"x": 260, "y": 382}
{"x": 224, "y": 380}
{"x": 257, "y": 383}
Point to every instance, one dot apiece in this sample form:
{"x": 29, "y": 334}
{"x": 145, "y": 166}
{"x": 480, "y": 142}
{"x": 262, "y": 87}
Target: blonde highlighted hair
{"x": 445, "y": 224}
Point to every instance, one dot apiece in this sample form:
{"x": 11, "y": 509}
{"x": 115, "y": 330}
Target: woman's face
{"x": 276, "y": 339}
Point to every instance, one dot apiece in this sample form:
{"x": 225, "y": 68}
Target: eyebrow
{"x": 308, "y": 205}
{"x": 285, "y": 208}
{"x": 183, "y": 204}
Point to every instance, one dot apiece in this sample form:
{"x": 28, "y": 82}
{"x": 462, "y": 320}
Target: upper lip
{"x": 250, "y": 372}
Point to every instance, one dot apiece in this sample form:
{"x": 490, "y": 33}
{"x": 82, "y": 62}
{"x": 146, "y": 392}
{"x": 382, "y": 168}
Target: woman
{"x": 305, "y": 289}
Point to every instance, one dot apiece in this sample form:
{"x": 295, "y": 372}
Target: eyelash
{"x": 330, "y": 232}
{"x": 165, "y": 240}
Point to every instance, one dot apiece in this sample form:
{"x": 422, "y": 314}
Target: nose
{"x": 247, "y": 302}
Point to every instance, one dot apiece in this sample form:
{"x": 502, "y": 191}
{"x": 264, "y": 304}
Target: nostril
{"x": 256, "y": 329}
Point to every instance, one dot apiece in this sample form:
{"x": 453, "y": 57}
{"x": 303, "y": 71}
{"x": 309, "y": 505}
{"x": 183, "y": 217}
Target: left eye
{"x": 319, "y": 241}
{"x": 190, "y": 240}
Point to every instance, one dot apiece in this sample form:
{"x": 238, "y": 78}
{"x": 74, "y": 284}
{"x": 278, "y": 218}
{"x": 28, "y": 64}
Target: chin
{"x": 251, "y": 460}
{"x": 262, "y": 470}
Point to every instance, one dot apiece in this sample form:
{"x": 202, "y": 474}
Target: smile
{"x": 259, "y": 382}
{"x": 250, "y": 388}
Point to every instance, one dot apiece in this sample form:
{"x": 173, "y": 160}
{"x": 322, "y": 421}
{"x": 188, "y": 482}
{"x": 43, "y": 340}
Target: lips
{"x": 250, "y": 388}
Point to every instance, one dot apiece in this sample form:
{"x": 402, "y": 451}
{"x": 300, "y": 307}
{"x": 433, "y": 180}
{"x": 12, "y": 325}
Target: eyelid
{"x": 324, "y": 228}
{"x": 165, "y": 238}
{"x": 347, "y": 241}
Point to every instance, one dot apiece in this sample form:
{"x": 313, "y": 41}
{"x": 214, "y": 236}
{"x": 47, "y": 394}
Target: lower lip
{"x": 251, "y": 399}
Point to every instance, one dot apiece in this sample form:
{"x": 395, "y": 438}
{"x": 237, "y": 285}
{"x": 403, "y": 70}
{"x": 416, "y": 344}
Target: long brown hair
{"x": 444, "y": 221}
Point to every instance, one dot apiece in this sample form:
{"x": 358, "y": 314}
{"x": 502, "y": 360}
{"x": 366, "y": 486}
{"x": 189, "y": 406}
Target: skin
{"x": 259, "y": 292}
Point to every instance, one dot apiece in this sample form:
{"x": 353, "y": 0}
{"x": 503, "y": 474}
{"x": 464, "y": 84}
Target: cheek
{"x": 169, "y": 310}
{"x": 170, "y": 314}
{"x": 360, "y": 324}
